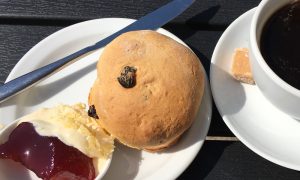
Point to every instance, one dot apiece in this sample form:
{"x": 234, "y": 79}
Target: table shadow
{"x": 203, "y": 17}
{"x": 206, "y": 160}
{"x": 192, "y": 25}
{"x": 205, "y": 61}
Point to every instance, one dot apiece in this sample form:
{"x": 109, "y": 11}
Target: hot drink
{"x": 280, "y": 43}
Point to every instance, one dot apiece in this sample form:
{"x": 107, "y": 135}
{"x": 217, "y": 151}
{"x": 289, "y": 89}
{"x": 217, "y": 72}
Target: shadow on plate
{"x": 125, "y": 163}
{"x": 226, "y": 91}
{"x": 43, "y": 92}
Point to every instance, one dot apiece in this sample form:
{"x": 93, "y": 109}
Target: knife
{"x": 151, "y": 21}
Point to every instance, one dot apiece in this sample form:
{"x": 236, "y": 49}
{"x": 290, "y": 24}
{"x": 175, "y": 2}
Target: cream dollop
{"x": 74, "y": 127}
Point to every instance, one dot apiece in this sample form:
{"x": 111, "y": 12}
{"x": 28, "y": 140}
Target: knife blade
{"x": 151, "y": 21}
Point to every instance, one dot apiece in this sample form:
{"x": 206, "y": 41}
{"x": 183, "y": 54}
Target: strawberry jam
{"x": 47, "y": 157}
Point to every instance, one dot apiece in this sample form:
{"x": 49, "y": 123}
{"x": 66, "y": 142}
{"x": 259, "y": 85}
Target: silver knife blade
{"x": 151, "y": 21}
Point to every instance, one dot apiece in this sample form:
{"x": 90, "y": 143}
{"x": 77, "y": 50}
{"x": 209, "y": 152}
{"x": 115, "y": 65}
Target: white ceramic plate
{"x": 72, "y": 85}
{"x": 250, "y": 116}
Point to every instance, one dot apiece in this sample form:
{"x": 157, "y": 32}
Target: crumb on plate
{"x": 241, "y": 69}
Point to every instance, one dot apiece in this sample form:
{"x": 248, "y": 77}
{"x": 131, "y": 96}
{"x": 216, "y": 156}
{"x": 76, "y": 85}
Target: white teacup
{"x": 278, "y": 92}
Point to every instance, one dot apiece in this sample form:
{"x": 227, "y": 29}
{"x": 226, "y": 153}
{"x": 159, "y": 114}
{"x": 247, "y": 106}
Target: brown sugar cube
{"x": 241, "y": 69}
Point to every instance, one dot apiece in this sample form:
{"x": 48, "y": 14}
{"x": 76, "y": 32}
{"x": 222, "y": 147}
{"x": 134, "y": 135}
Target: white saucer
{"x": 254, "y": 120}
{"x": 72, "y": 85}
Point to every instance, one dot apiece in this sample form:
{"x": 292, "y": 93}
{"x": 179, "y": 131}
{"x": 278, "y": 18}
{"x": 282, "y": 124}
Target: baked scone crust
{"x": 162, "y": 105}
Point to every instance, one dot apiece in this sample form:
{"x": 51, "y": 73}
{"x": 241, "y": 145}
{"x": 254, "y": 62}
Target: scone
{"x": 148, "y": 89}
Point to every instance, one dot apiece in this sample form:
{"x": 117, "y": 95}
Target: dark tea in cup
{"x": 280, "y": 43}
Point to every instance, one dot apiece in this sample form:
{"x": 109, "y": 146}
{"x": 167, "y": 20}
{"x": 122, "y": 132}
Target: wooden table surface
{"x": 23, "y": 23}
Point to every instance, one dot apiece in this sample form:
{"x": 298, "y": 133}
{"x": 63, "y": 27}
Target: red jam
{"x": 47, "y": 157}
